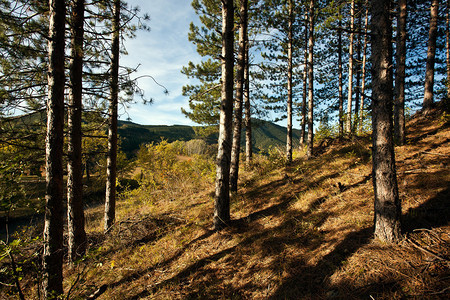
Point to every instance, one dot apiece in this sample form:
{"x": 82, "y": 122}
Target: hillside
{"x": 298, "y": 232}
{"x": 264, "y": 135}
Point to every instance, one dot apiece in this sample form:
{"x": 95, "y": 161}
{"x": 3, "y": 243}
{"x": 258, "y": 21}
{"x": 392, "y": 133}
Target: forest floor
{"x": 298, "y": 232}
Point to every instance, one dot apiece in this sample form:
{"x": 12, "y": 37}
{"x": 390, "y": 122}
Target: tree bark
{"x": 348, "y": 121}
{"x": 447, "y": 46}
{"x": 387, "y": 204}
{"x": 357, "y": 66}
{"x": 236, "y": 147}
{"x": 340, "y": 83}
{"x": 289, "y": 88}
{"x": 53, "y": 227}
{"x": 399, "y": 102}
{"x": 111, "y": 163}
{"x": 305, "y": 85}
{"x": 363, "y": 75}
{"x": 222, "y": 195}
{"x": 310, "y": 152}
{"x": 431, "y": 53}
{"x": 247, "y": 107}
{"x": 75, "y": 206}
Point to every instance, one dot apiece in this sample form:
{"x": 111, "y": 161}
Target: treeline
{"x": 322, "y": 61}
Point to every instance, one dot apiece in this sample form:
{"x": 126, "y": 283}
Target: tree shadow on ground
{"x": 433, "y": 213}
{"x": 312, "y": 281}
{"x": 266, "y": 242}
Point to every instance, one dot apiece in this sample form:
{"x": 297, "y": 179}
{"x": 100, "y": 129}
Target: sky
{"x": 161, "y": 53}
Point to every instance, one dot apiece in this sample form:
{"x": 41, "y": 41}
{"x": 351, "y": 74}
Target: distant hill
{"x": 264, "y": 135}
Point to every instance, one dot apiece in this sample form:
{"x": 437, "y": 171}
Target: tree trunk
{"x": 289, "y": 89}
{"x": 431, "y": 53}
{"x": 310, "y": 152}
{"x": 111, "y": 163}
{"x": 236, "y": 148}
{"x": 222, "y": 195}
{"x": 340, "y": 83}
{"x": 305, "y": 85}
{"x": 363, "y": 68}
{"x": 348, "y": 121}
{"x": 357, "y": 67}
{"x": 387, "y": 203}
{"x": 248, "y": 119}
{"x": 53, "y": 227}
{"x": 399, "y": 102}
{"x": 75, "y": 213}
{"x": 447, "y": 46}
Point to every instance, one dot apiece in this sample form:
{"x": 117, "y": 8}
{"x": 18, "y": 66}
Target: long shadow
{"x": 311, "y": 281}
{"x": 185, "y": 273}
{"x": 433, "y": 213}
{"x": 308, "y": 281}
{"x": 246, "y": 243}
{"x": 150, "y": 228}
{"x": 138, "y": 274}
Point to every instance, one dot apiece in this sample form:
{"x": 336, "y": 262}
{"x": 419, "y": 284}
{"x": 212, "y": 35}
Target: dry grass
{"x": 300, "y": 232}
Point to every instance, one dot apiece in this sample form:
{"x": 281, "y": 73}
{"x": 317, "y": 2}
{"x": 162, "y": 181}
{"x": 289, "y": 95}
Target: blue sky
{"x": 161, "y": 53}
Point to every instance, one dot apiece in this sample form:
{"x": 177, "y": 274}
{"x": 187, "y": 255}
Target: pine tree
{"x": 110, "y": 200}
{"x": 431, "y": 53}
{"x": 53, "y": 228}
{"x": 387, "y": 202}
{"x": 75, "y": 206}
{"x": 348, "y": 120}
{"x": 236, "y": 146}
{"x": 363, "y": 70}
{"x": 310, "y": 140}
{"x": 222, "y": 195}
{"x": 399, "y": 101}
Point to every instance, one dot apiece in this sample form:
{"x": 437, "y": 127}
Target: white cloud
{"x": 162, "y": 53}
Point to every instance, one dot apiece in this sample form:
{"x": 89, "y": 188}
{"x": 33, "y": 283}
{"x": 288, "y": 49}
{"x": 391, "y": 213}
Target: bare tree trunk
{"x": 248, "y": 119}
{"x": 75, "y": 206}
{"x": 431, "y": 53}
{"x": 387, "y": 204}
{"x": 363, "y": 67}
{"x": 305, "y": 85}
{"x": 222, "y": 195}
{"x": 357, "y": 66}
{"x": 289, "y": 89}
{"x": 348, "y": 121}
{"x": 236, "y": 148}
{"x": 399, "y": 101}
{"x": 447, "y": 46}
{"x": 341, "y": 86}
{"x": 310, "y": 152}
{"x": 111, "y": 163}
{"x": 54, "y": 195}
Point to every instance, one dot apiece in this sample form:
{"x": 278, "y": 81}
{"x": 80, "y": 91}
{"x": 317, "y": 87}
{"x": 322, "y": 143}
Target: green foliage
{"x": 17, "y": 260}
{"x": 163, "y": 169}
{"x": 12, "y": 194}
{"x": 326, "y": 130}
{"x": 264, "y": 163}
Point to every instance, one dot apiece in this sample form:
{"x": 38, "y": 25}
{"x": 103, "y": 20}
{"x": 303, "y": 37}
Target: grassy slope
{"x": 295, "y": 234}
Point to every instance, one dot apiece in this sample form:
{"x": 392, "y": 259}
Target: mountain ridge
{"x": 265, "y": 135}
